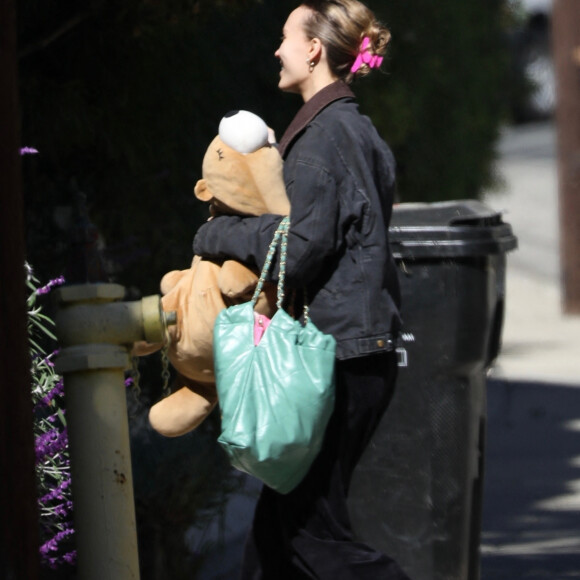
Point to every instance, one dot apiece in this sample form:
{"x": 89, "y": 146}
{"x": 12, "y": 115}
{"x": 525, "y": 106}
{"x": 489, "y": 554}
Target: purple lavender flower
{"x": 51, "y": 437}
{"x": 55, "y": 392}
{"x": 52, "y": 545}
{"x": 56, "y": 493}
{"x": 51, "y": 284}
{"x": 51, "y": 443}
{"x": 28, "y": 151}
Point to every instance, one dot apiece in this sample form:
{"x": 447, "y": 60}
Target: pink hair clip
{"x": 365, "y": 57}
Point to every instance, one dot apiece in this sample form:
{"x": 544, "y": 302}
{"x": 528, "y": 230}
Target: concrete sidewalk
{"x": 531, "y": 520}
{"x": 540, "y": 343}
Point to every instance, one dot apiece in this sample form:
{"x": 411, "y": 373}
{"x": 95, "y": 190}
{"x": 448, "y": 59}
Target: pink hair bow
{"x": 365, "y": 57}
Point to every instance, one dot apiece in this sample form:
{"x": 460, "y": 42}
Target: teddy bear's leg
{"x": 183, "y": 410}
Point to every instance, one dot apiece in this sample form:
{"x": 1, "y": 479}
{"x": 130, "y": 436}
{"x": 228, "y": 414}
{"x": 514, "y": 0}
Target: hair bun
{"x": 344, "y": 26}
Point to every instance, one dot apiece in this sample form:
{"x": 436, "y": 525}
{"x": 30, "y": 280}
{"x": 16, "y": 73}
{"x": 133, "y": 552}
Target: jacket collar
{"x": 323, "y": 98}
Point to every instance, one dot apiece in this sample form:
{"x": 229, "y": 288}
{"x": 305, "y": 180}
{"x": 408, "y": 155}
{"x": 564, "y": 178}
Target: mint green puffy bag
{"x": 277, "y": 396}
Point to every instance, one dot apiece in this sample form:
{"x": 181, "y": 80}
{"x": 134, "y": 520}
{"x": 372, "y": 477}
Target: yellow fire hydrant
{"x": 96, "y": 331}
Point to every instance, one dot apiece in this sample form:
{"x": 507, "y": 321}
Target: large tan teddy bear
{"x": 242, "y": 174}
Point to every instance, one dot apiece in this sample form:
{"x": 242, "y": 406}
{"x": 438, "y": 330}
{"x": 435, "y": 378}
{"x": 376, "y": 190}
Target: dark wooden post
{"x": 18, "y": 512}
{"x": 566, "y": 35}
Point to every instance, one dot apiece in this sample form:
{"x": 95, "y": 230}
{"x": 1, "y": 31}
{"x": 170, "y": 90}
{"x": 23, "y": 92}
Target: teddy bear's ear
{"x": 243, "y": 131}
{"x": 202, "y": 191}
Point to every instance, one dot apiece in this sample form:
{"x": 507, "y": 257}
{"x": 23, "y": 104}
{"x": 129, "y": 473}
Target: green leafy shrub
{"x": 122, "y": 103}
{"x": 443, "y": 99}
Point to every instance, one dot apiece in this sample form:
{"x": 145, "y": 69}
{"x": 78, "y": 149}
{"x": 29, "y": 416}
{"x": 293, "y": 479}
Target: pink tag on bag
{"x": 261, "y": 322}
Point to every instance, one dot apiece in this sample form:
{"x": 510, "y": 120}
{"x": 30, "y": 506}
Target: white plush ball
{"x": 243, "y": 131}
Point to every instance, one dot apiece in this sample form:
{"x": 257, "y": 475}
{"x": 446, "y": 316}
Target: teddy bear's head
{"x": 242, "y": 170}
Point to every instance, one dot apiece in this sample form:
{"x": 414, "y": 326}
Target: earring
{"x": 311, "y": 64}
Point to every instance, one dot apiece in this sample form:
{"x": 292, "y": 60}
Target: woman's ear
{"x": 202, "y": 191}
{"x": 315, "y": 51}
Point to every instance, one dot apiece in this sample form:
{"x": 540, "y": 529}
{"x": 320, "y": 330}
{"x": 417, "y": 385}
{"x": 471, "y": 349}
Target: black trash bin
{"x": 417, "y": 492}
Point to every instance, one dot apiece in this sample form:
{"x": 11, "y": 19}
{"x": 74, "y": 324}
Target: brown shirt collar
{"x": 323, "y": 98}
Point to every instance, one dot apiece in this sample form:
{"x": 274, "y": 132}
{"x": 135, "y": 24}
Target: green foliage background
{"x": 442, "y": 102}
{"x": 122, "y": 99}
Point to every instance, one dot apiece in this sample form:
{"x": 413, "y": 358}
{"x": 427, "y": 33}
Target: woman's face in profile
{"x": 293, "y": 52}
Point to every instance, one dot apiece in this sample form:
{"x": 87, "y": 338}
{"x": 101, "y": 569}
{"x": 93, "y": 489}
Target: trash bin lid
{"x": 448, "y": 229}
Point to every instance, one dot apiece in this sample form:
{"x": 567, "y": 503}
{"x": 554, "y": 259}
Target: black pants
{"x": 307, "y": 533}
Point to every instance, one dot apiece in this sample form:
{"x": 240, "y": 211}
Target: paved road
{"x": 531, "y": 525}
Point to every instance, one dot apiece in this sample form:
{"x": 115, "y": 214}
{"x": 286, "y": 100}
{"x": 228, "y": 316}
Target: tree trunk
{"x": 566, "y": 34}
{"x": 18, "y": 512}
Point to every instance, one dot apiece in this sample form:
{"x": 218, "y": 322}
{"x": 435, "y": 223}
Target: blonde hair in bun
{"x": 341, "y": 26}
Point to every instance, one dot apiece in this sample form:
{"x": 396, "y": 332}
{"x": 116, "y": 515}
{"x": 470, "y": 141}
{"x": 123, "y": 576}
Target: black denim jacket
{"x": 339, "y": 177}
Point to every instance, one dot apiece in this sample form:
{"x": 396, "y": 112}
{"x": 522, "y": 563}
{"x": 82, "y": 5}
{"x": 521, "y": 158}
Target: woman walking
{"x": 339, "y": 176}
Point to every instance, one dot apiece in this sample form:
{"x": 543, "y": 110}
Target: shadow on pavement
{"x": 531, "y": 519}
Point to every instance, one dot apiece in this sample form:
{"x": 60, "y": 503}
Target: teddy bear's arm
{"x": 144, "y": 348}
{"x": 235, "y": 279}
{"x": 183, "y": 410}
